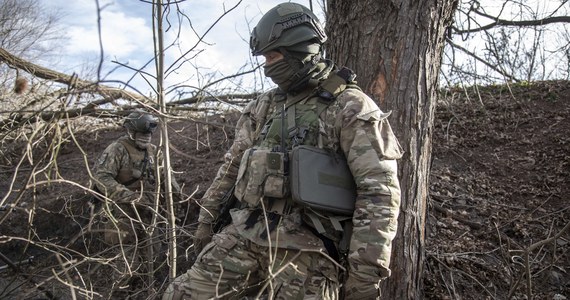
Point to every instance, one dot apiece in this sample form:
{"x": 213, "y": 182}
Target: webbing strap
{"x": 327, "y": 91}
{"x": 344, "y": 244}
{"x": 328, "y": 243}
{"x": 332, "y": 86}
{"x": 291, "y": 126}
{"x": 316, "y": 222}
{"x": 335, "y": 221}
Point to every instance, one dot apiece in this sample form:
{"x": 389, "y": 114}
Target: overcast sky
{"x": 127, "y": 37}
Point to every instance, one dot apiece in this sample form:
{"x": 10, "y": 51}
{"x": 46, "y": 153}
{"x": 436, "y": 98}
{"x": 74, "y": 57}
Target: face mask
{"x": 281, "y": 73}
{"x": 142, "y": 140}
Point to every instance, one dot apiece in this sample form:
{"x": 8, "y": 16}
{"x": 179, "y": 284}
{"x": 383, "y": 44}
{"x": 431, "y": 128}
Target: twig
{"x": 25, "y": 276}
{"x": 473, "y": 225}
{"x": 466, "y": 274}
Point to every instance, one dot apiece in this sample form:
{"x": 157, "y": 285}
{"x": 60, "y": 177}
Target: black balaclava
{"x": 300, "y": 62}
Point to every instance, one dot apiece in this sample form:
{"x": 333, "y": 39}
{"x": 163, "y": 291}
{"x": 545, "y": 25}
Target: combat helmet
{"x": 283, "y": 26}
{"x": 140, "y": 122}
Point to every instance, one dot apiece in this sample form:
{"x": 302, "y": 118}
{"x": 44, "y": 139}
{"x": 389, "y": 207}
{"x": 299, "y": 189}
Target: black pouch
{"x": 322, "y": 180}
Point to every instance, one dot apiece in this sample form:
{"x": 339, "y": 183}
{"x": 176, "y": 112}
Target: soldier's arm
{"x": 371, "y": 150}
{"x": 107, "y": 168}
{"x": 227, "y": 173}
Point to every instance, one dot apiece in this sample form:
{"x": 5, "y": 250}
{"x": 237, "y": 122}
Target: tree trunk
{"x": 395, "y": 48}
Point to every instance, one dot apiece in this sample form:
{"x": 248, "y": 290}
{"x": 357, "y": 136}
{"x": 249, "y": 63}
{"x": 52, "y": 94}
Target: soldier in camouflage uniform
{"x": 126, "y": 174}
{"x": 277, "y": 246}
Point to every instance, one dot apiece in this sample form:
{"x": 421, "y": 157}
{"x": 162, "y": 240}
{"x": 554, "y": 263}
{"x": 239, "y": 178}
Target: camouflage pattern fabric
{"x": 119, "y": 163}
{"x": 231, "y": 267}
{"x": 127, "y": 212}
{"x": 352, "y": 125}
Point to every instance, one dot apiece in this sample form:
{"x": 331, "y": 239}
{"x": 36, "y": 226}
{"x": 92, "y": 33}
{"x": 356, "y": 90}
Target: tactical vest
{"x": 264, "y": 169}
{"x": 140, "y": 168}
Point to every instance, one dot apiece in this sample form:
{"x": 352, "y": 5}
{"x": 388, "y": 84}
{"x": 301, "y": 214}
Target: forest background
{"x": 515, "y": 77}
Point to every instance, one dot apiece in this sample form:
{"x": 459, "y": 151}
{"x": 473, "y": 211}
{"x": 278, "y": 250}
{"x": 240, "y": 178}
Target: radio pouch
{"x": 261, "y": 174}
{"x": 322, "y": 180}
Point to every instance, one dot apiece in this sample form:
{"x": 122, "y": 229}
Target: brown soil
{"x": 499, "y": 184}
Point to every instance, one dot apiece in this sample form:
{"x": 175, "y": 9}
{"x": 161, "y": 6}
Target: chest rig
{"x": 139, "y": 169}
{"x": 264, "y": 173}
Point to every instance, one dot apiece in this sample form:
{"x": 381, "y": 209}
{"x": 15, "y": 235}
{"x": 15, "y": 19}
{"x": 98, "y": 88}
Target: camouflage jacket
{"x": 354, "y": 125}
{"x": 121, "y": 170}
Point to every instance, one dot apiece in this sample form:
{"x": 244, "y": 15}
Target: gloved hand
{"x": 363, "y": 282}
{"x": 126, "y": 196}
{"x": 358, "y": 289}
{"x": 137, "y": 198}
{"x": 202, "y": 236}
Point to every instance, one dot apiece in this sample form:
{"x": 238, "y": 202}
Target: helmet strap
{"x": 131, "y": 134}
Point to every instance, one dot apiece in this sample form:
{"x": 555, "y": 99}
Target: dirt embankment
{"x": 499, "y": 191}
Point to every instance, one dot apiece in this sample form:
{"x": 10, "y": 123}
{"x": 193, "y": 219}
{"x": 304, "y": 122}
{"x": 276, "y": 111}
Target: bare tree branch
{"x": 502, "y": 22}
{"x": 495, "y": 68}
{"x": 70, "y": 80}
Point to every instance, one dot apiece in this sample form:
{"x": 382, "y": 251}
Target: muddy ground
{"x": 499, "y": 186}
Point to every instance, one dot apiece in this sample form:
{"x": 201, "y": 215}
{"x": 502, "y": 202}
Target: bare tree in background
{"x": 29, "y": 31}
{"x": 497, "y": 41}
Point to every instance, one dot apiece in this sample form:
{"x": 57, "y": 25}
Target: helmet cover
{"x": 286, "y": 25}
{"x": 140, "y": 122}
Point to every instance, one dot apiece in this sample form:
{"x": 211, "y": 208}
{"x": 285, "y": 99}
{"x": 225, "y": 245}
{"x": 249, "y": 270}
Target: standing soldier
{"x": 126, "y": 174}
{"x": 328, "y": 240}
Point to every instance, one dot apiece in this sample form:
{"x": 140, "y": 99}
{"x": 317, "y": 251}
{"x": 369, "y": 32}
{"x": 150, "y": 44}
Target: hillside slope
{"x": 500, "y": 182}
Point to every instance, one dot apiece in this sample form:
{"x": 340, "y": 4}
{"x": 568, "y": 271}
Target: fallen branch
{"x": 110, "y": 93}
{"x": 448, "y": 212}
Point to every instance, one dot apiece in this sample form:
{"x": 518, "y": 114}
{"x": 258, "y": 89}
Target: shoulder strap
{"x": 327, "y": 92}
{"x": 331, "y": 87}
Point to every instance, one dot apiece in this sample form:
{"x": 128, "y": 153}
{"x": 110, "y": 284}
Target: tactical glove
{"x": 202, "y": 236}
{"x": 358, "y": 290}
{"x": 364, "y": 283}
{"x": 125, "y": 196}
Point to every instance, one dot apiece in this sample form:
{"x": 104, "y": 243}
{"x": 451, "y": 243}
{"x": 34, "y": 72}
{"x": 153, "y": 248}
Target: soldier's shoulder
{"x": 271, "y": 94}
{"x": 260, "y": 104}
{"x": 355, "y": 100}
{"x": 116, "y": 146}
{"x": 353, "y": 94}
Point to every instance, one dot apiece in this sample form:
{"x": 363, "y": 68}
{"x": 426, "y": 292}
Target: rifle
{"x": 229, "y": 201}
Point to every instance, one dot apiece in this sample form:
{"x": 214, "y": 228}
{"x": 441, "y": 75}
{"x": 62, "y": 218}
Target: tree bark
{"x": 395, "y": 48}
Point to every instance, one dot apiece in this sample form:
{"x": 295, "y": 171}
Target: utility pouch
{"x": 276, "y": 184}
{"x": 248, "y": 186}
{"x": 322, "y": 180}
{"x": 261, "y": 173}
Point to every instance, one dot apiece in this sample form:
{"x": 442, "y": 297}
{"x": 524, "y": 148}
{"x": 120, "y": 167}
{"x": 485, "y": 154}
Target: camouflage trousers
{"x": 231, "y": 267}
